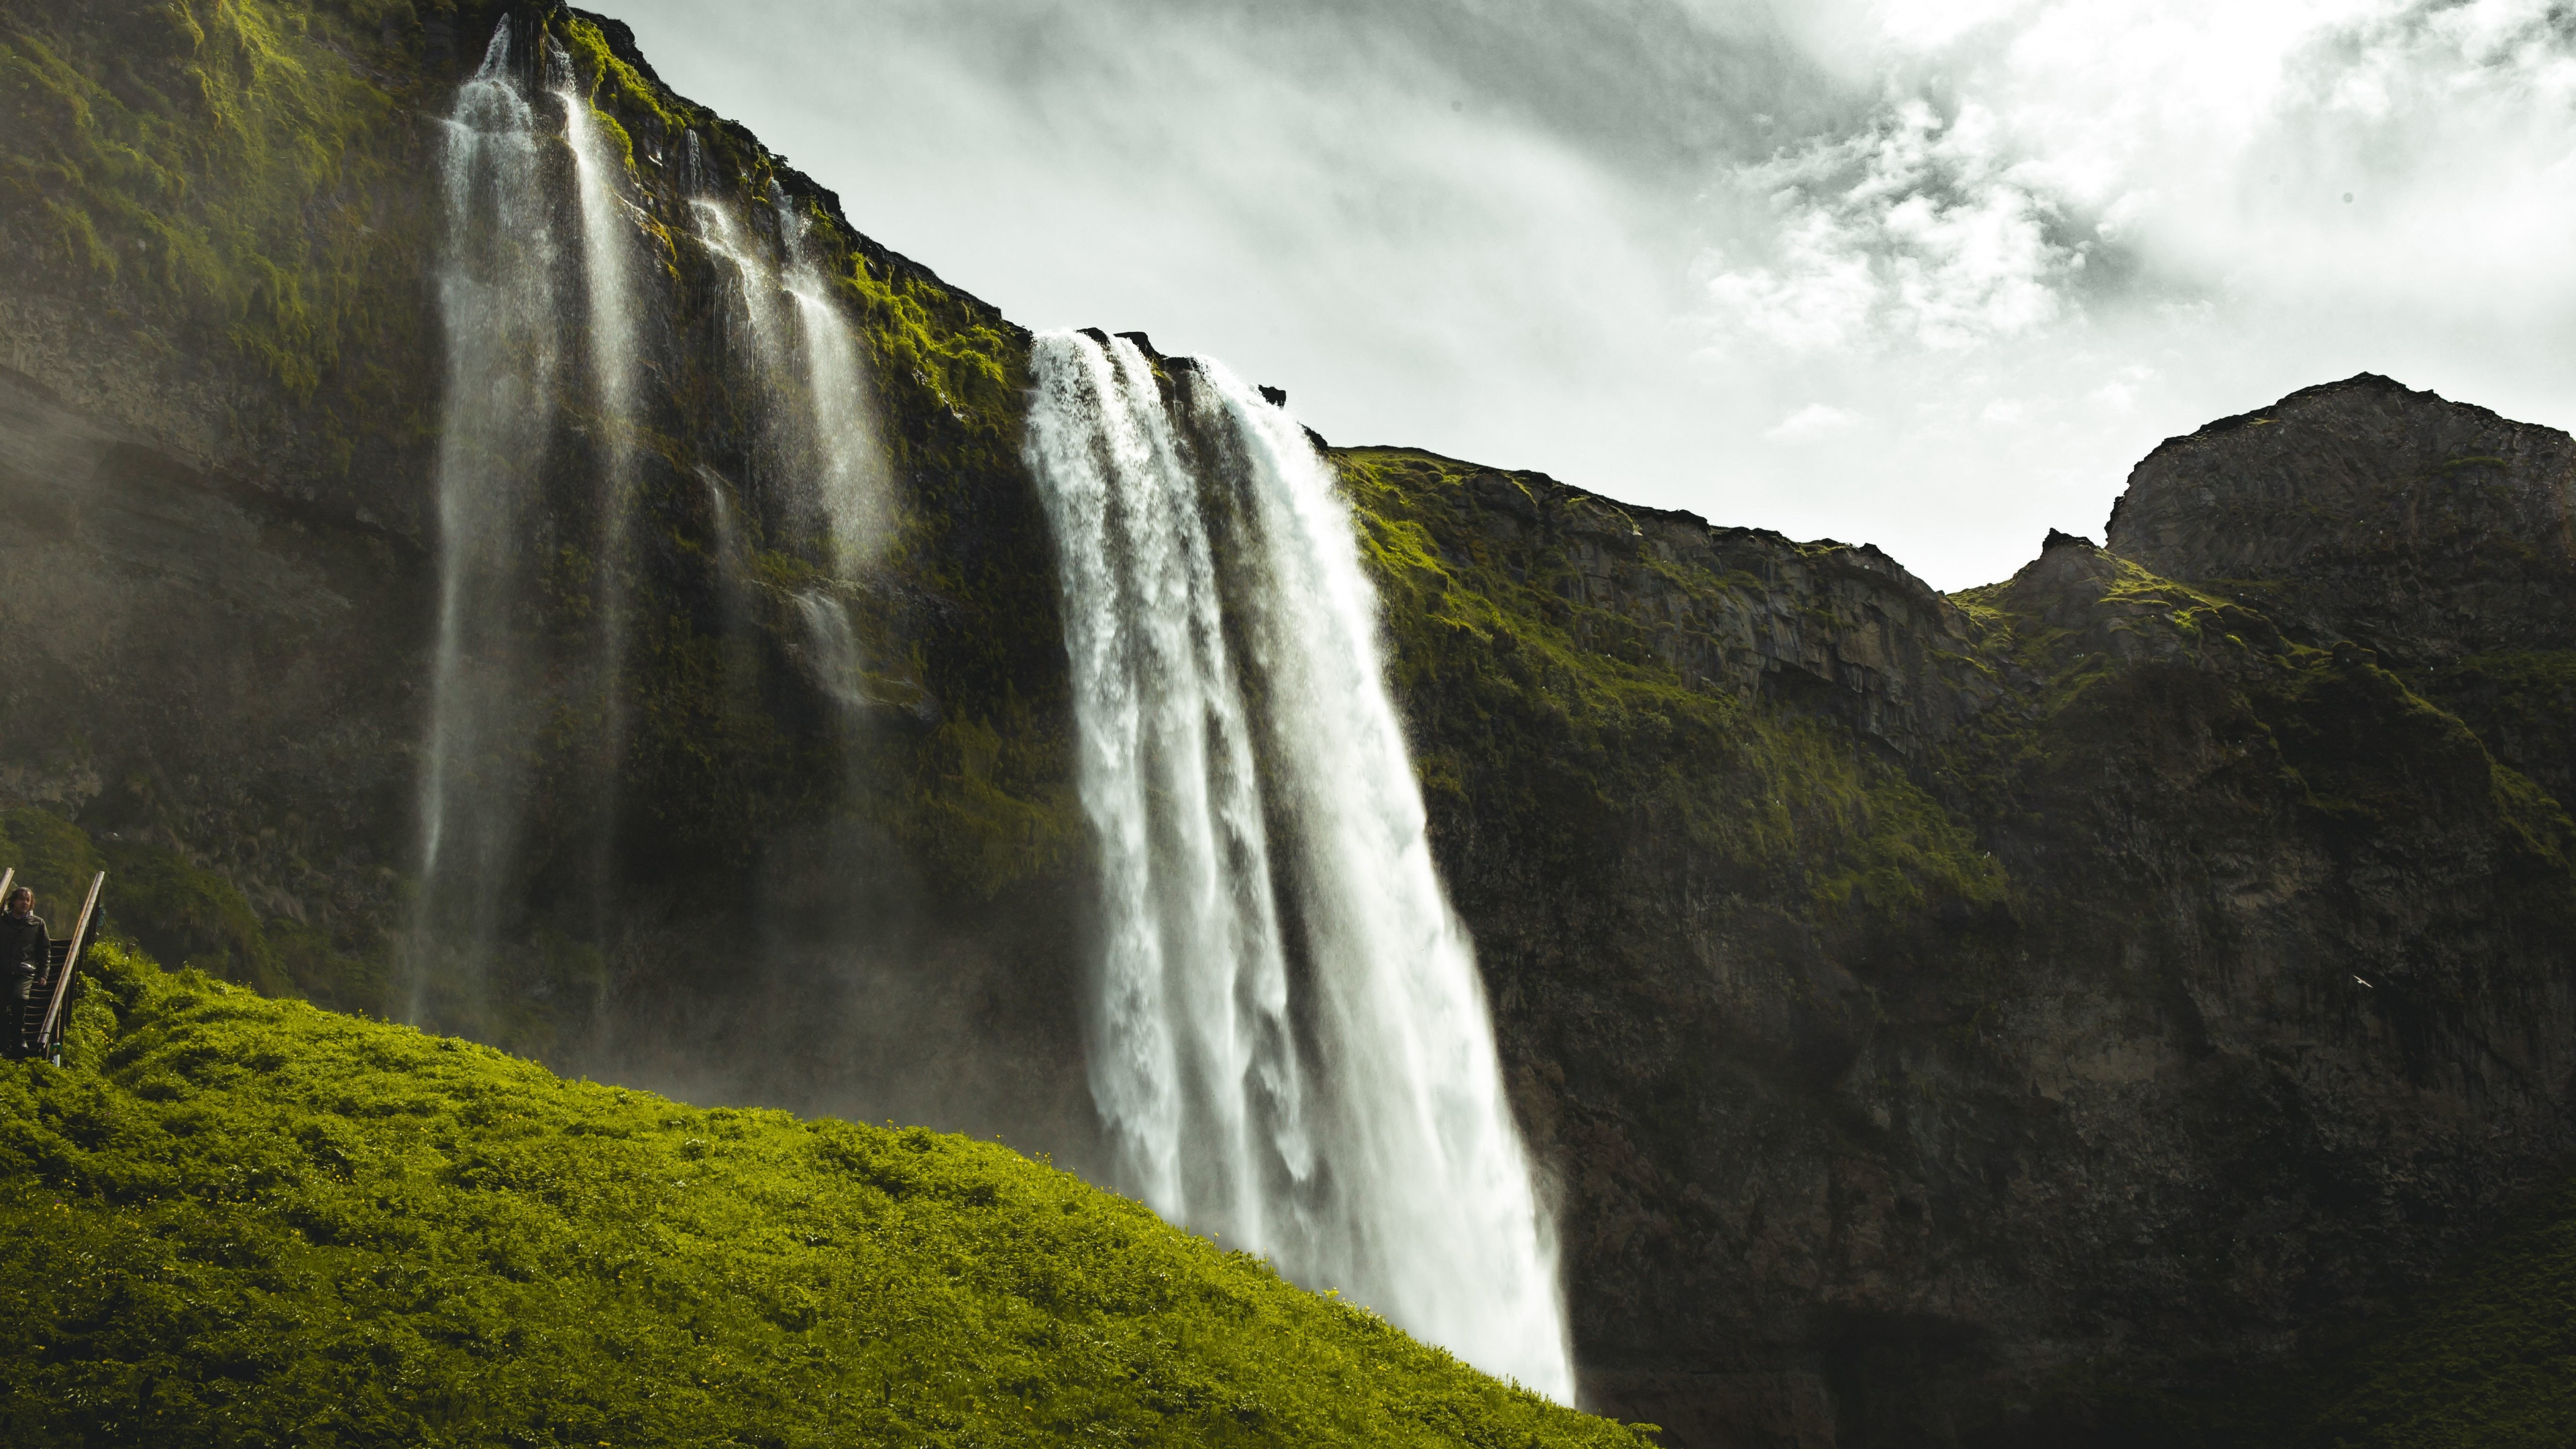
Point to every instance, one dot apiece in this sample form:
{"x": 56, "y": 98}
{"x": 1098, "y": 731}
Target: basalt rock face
{"x": 1932, "y": 1013}
{"x": 2168, "y": 987}
{"x": 2363, "y": 509}
{"x": 2436, "y": 534}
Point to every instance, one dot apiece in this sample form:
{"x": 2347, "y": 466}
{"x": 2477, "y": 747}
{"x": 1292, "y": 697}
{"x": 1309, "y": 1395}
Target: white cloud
{"x": 1912, "y": 231}
{"x": 1812, "y": 421}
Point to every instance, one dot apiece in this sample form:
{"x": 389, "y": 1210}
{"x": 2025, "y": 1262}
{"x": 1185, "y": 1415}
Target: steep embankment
{"x": 242, "y": 1221}
{"x": 2483, "y": 1359}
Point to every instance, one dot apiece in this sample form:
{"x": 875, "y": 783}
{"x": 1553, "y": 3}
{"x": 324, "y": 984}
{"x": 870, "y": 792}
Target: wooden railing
{"x": 49, "y": 1036}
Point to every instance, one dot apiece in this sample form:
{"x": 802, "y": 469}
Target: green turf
{"x": 231, "y": 1220}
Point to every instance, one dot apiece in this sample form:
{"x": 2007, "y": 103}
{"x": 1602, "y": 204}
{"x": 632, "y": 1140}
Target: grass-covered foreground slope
{"x": 241, "y": 1221}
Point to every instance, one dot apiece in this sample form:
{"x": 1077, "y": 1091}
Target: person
{"x": 24, "y": 947}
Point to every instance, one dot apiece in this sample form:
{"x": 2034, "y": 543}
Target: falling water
{"x": 850, "y": 485}
{"x": 608, "y": 240}
{"x": 820, "y": 451}
{"x": 832, "y": 649}
{"x": 496, "y": 298}
{"x": 721, "y": 231}
{"x": 608, "y": 273}
{"x": 1382, "y": 1160}
{"x": 1192, "y": 1066}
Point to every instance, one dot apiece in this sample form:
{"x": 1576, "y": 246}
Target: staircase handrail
{"x": 45, "y": 1035}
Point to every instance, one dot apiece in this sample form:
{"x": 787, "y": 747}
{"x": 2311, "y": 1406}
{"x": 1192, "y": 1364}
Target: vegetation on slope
{"x": 229, "y": 162}
{"x": 1538, "y": 708}
{"x": 233, "y": 1220}
{"x": 2485, "y": 1360}
{"x": 182, "y": 911}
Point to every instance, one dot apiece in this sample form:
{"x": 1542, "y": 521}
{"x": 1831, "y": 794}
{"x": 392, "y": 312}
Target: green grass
{"x": 240, "y": 1221}
{"x": 185, "y": 912}
{"x": 2483, "y": 1358}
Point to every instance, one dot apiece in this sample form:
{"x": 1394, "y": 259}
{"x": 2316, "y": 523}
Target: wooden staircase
{"x": 48, "y": 1002}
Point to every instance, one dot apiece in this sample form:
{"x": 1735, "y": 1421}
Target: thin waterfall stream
{"x": 497, "y": 299}
{"x": 1330, "y": 1095}
{"x": 608, "y": 265}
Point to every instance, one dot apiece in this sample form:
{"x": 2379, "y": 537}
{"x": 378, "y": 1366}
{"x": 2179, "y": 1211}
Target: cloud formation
{"x": 1930, "y": 273}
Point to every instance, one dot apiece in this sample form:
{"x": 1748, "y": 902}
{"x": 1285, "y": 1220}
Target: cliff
{"x": 1939, "y": 1007}
{"x": 1940, "y": 1018}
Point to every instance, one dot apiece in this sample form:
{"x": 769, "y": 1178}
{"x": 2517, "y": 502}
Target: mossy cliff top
{"x": 234, "y": 1220}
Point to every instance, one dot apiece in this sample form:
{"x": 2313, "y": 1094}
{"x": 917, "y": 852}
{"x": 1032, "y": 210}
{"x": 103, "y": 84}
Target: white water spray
{"x": 1192, "y": 1062}
{"x": 496, "y": 297}
{"x": 608, "y": 272}
{"x": 1383, "y": 1160}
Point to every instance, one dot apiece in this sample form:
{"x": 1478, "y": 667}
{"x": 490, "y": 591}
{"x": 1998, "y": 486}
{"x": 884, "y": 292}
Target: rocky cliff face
{"x": 219, "y": 417}
{"x": 1936, "y": 1014}
{"x": 2162, "y": 987}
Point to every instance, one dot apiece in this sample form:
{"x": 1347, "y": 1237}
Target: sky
{"x": 1928, "y": 274}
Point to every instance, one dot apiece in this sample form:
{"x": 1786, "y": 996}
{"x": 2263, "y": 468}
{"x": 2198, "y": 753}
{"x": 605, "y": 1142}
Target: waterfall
{"x": 607, "y": 255}
{"x": 1356, "y": 1128}
{"x": 850, "y": 485}
{"x": 496, "y": 296}
{"x": 1192, "y": 1064}
{"x": 820, "y": 453}
{"x": 608, "y": 241}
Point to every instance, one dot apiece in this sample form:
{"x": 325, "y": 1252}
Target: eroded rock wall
{"x": 2166, "y": 988}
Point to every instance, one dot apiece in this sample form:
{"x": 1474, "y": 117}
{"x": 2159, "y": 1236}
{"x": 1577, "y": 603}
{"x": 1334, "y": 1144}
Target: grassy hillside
{"x": 241, "y": 1221}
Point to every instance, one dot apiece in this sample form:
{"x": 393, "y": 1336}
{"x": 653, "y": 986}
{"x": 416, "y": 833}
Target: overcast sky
{"x": 1930, "y": 274}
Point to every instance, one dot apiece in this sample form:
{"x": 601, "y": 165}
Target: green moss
{"x": 227, "y": 155}
{"x": 53, "y": 857}
{"x": 1553, "y": 717}
{"x": 2483, "y": 1360}
{"x": 250, "y": 1222}
{"x": 181, "y": 911}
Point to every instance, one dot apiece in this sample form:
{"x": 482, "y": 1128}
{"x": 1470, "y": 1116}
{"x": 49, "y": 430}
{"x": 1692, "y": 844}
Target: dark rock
{"x": 2365, "y": 509}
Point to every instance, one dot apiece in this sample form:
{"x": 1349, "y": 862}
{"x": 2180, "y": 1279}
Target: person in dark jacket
{"x": 23, "y": 948}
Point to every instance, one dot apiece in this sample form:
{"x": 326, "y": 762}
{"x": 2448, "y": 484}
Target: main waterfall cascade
{"x": 1290, "y": 1046}
{"x": 497, "y": 297}
{"x": 1329, "y": 1095}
